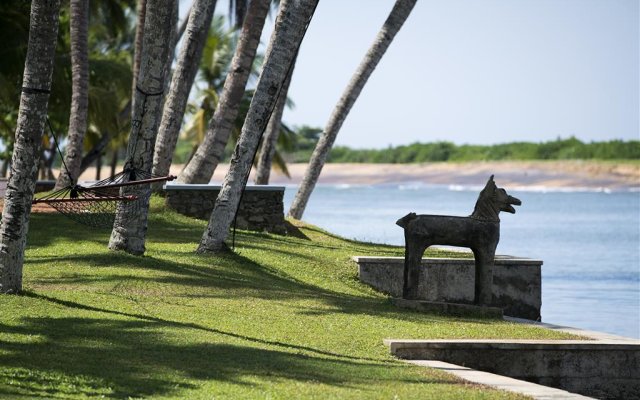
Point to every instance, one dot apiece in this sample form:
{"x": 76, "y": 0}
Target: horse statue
{"x": 480, "y": 232}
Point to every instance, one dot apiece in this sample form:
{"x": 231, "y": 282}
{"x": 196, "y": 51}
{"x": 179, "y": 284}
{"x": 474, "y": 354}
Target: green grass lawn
{"x": 281, "y": 318}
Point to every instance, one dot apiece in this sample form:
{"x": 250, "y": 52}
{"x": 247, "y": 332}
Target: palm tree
{"x": 292, "y": 21}
{"x": 79, "y": 91}
{"x": 129, "y": 230}
{"x": 210, "y": 152}
{"x": 38, "y": 69}
{"x": 268, "y": 147}
{"x": 183, "y": 77}
{"x": 109, "y": 44}
{"x": 392, "y": 25}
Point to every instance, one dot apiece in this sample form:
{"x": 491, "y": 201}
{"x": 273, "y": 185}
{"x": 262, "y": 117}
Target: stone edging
{"x": 534, "y": 390}
{"x": 616, "y": 350}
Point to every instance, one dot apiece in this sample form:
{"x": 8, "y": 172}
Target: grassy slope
{"x": 282, "y": 318}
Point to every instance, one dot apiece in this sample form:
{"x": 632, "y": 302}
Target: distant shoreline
{"x": 552, "y": 174}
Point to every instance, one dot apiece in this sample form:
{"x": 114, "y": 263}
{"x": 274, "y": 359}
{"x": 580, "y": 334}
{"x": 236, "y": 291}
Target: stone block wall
{"x": 516, "y": 281}
{"x": 261, "y": 209}
{"x": 602, "y": 369}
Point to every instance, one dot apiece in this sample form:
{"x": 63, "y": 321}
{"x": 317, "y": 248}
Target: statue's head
{"x": 492, "y": 200}
{"x": 501, "y": 199}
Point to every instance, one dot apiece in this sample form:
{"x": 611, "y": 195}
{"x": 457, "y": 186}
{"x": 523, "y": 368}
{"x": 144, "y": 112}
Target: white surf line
{"x": 538, "y": 392}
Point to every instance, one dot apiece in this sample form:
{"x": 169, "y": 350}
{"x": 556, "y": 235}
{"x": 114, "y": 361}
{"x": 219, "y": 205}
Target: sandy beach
{"x": 526, "y": 174}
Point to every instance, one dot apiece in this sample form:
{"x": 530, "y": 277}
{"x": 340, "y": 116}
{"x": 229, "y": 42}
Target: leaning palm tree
{"x": 129, "y": 228}
{"x": 392, "y": 25}
{"x": 204, "y": 162}
{"x": 79, "y": 92}
{"x": 36, "y": 84}
{"x": 291, "y": 24}
{"x": 268, "y": 147}
{"x": 183, "y": 77}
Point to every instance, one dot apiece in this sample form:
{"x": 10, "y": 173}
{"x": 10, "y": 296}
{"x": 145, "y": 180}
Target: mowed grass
{"x": 282, "y": 318}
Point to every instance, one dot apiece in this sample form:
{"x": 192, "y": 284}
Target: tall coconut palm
{"x": 38, "y": 69}
{"x": 392, "y": 25}
{"x": 291, "y": 23}
{"x": 268, "y": 148}
{"x": 129, "y": 229}
{"x": 183, "y": 77}
{"x": 210, "y": 152}
{"x": 79, "y": 28}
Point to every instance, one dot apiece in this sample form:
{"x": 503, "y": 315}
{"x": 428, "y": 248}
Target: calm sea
{"x": 589, "y": 240}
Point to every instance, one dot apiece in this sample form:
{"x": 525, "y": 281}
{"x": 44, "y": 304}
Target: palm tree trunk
{"x": 141, "y": 10}
{"x": 183, "y": 77}
{"x": 129, "y": 229}
{"x": 98, "y": 167}
{"x": 173, "y": 40}
{"x": 34, "y": 101}
{"x": 291, "y": 24}
{"x": 79, "y": 92}
{"x": 5, "y": 168}
{"x": 95, "y": 152}
{"x": 114, "y": 162}
{"x": 268, "y": 149}
{"x": 392, "y": 25}
{"x": 211, "y": 150}
{"x": 183, "y": 25}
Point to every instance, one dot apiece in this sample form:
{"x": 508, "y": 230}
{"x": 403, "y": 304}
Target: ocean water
{"x": 589, "y": 240}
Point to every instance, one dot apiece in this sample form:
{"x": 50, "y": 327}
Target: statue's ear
{"x": 490, "y": 182}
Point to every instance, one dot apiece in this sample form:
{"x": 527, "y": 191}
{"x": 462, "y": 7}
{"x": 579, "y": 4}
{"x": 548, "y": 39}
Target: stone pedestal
{"x": 516, "y": 281}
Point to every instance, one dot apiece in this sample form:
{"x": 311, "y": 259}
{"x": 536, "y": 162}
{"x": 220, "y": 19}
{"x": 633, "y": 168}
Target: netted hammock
{"x": 96, "y": 205}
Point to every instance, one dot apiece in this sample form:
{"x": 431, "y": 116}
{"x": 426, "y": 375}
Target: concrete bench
{"x": 261, "y": 209}
{"x": 516, "y": 281}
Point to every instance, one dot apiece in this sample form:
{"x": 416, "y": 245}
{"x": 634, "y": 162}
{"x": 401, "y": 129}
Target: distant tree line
{"x": 559, "y": 149}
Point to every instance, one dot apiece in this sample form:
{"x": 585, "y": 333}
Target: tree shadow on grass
{"x": 46, "y": 228}
{"x": 244, "y": 239}
{"x": 232, "y": 276}
{"x": 140, "y": 355}
{"x": 122, "y": 358}
{"x": 227, "y": 275}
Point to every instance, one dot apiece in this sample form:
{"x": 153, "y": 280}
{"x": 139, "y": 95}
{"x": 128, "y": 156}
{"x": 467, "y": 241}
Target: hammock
{"x": 96, "y": 205}
{"x": 93, "y": 207}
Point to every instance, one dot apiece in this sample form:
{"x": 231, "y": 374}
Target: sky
{"x": 473, "y": 71}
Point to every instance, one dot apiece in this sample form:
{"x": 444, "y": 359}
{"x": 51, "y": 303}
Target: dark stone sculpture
{"x": 480, "y": 232}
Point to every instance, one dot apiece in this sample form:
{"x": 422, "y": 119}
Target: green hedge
{"x": 560, "y": 149}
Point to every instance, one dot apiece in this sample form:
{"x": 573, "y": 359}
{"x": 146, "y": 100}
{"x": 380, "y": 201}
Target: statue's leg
{"x": 484, "y": 276}
{"x": 413, "y": 252}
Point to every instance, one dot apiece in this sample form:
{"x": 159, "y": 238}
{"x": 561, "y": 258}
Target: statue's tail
{"x": 404, "y": 221}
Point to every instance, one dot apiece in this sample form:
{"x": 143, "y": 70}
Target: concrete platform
{"x": 516, "y": 281}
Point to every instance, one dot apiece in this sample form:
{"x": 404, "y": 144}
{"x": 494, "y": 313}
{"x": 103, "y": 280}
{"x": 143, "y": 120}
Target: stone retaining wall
{"x": 602, "y": 369}
{"x": 516, "y": 281}
{"x": 261, "y": 209}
